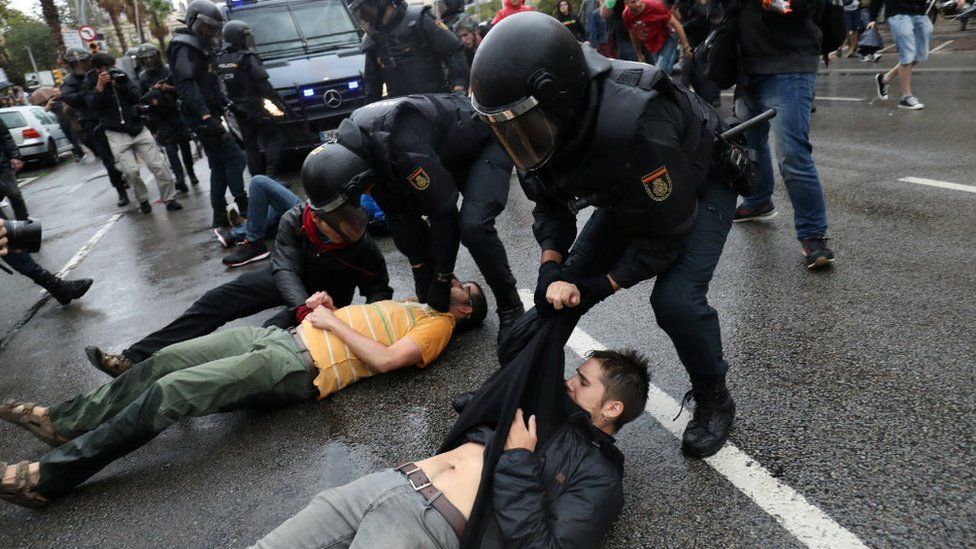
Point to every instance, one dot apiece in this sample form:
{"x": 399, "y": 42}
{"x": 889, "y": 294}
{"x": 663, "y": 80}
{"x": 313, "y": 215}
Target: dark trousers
{"x": 226, "y": 170}
{"x": 69, "y": 132}
{"x": 23, "y": 263}
{"x": 101, "y": 148}
{"x": 244, "y": 296}
{"x": 240, "y": 368}
{"x": 257, "y": 132}
{"x": 10, "y": 190}
{"x": 175, "y": 138}
{"x": 693, "y": 76}
{"x": 680, "y": 295}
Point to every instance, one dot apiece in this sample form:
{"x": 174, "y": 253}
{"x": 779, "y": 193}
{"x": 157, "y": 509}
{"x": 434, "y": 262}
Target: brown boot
{"x": 113, "y": 365}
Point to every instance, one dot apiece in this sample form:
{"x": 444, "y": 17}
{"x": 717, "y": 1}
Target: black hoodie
{"x": 115, "y": 104}
{"x": 774, "y": 43}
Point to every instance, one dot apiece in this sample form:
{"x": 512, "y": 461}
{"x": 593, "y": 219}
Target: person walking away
{"x": 780, "y": 54}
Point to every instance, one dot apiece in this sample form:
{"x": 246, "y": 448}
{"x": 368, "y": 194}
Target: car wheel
{"x": 51, "y": 157}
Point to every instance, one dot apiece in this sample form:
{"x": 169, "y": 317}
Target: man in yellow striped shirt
{"x": 233, "y": 369}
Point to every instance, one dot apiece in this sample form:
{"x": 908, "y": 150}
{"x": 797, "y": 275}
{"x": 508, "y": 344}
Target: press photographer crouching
{"x": 115, "y": 97}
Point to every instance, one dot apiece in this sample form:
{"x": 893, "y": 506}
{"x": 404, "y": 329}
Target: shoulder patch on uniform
{"x": 657, "y": 184}
{"x": 630, "y": 77}
{"x": 419, "y": 179}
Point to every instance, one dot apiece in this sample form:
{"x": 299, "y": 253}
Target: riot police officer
{"x": 585, "y": 130}
{"x": 248, "y": 88}
{"x": 73, "y": 93}
{"x": 451, "y": 13}
{"x": 160, "y": 100}
{"x": 190, "y": 53}
{"x": 416, "y": 153}
{"x": 408, "y": 49}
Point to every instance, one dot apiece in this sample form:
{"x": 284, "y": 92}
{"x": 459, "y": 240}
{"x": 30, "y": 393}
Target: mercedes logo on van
{"x": 332, "y": 99}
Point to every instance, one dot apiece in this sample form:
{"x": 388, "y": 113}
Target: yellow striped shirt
{"x": 384, "y": 321}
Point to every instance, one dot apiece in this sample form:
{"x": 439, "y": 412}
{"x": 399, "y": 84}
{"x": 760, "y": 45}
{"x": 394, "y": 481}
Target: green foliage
{"x": 20, "y": 30}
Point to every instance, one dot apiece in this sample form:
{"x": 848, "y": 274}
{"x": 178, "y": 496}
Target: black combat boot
{"x": 123, "y": 197}
{"x": 509, "y": 312}
{"x": 708, "y": 429}
{"x": 220, "y": 219}
{"x": 242, "y": 206}
{"x": 181, "y": 184}
{"x": 64, "y": 290}
{"x": 193, "y": 178}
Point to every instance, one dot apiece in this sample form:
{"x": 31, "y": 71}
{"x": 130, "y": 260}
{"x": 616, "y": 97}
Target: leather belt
{"x": 303, "y": 350}
{"x": 420, "y": 483}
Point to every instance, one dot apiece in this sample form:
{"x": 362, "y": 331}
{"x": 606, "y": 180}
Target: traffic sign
{"x": 86, "y": 33}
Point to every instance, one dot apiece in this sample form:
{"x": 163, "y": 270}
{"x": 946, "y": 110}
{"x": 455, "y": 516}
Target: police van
{"x": 310, "y": 49}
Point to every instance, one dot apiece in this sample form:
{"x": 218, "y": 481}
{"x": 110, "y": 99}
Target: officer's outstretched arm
{"x": 372, "y": 80}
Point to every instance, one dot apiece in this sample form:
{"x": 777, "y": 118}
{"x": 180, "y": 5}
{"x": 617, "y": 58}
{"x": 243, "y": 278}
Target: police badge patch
{"x": 419, "y": 179}
{"x": 657, "y": 184}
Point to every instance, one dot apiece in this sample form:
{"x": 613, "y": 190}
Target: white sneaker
{"x": 911, "y": 103}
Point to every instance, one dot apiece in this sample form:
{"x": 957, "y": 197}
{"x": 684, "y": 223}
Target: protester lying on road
{"x": 310, "y": 255}
{"x": 238, "y": 368}
{"x": 562, "y": 492}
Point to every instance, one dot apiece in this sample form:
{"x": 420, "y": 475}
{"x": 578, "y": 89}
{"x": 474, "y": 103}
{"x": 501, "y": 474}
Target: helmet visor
{"x": 343, "y": 217}
{"x": 148, "y": 61}
{"x": 525, "y": 131}
{"x": 206, "y": 26}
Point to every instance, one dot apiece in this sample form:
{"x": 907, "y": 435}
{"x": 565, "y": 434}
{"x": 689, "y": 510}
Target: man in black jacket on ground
{"x": 309, "y": 256}
{"x": 113, "y": 96}
{"x": 566, "y": 493}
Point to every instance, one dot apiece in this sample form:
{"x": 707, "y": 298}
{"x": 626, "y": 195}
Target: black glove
{"x": 439, "y": 292}
{"x": 211, "y": 128}
{"x": 422, "y": 276}
{"x": 735, "y": 165}
{"x": 593, "y": 290}
{"x": 549, "y": 272}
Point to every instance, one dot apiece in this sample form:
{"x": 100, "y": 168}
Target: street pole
{"x": 31, "y": 55}
{"x": 135, "y": 4}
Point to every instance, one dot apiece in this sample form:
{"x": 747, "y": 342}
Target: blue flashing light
{"x": 308, "y": 92}
{"x": 354, "y": 85}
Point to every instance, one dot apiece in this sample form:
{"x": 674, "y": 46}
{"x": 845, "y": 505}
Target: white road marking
{"x": 25, "y": 181}
{"x": 817, "y": 98}
{"x": 886, "y": 48}
{"x": 81, "y": 254}
{"x": 940, "y": 46}
{"x": 789, "y": 508}
{"x": 940, "y": 184}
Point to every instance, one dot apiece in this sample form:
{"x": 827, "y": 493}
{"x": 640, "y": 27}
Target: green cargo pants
{"x": 237, "y": 368}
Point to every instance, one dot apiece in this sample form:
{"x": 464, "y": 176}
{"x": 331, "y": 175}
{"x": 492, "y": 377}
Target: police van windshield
{"x": 306, "y": 27}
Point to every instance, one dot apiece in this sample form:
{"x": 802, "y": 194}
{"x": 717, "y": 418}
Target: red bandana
{"x": 311, "y": 232}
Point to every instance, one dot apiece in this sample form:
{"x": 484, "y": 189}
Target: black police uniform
{"x": 298, "y": 269}
{"x": 660, "y": 212}
{"x": 73, "y": 92}
{"x": 410, "y": 54}
{"x": 424, "y": 150}
{"x": 198, "y": 86}
{"x": 166, "y": 123}
{"x": 246, "y": 82}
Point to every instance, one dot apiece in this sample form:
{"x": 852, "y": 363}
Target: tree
{"x": 157, "y": 11}
{"x": 129, "y": 7}
{"x": 20, "y": 32}
{"x": 114, "y": 9}
{"x": 53, "y": 20}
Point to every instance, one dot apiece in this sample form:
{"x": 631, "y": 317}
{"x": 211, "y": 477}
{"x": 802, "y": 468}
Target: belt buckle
{"x": 415, "y": 487}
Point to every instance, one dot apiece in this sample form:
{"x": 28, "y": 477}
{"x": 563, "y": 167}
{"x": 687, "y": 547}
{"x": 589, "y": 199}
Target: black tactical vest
{"x": 202, "y": 73}
{"x": 403, "y": 54}
{"x": 231, "y": 67}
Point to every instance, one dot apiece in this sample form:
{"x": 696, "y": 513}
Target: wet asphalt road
{"x": 854, "y": 386}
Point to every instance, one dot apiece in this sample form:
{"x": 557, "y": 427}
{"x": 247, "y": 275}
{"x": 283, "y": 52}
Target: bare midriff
{"x": 457, "y": 474}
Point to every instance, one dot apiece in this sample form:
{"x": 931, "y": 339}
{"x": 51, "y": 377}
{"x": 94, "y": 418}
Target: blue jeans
{"x": 791, "y": 94}
{"x": 912, "y": 34}
{"x": 666, "y": 58}
{"x": 267, "y": 202}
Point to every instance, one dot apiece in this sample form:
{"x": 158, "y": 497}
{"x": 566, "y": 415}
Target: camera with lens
{"x": 118, "y": 74}
{"x": 23, "y": 235}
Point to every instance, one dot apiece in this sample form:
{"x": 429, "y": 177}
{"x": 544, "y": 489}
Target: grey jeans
{"x": 380, "y": 510}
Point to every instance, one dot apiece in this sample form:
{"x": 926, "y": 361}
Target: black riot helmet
{"x": 204, "y": 19}
{"x": 148, "y": 58}
{"x": 335, "y": 178}
{"x": 448, "y": 7}
{"x": 79, "y": 60}
{"x": 237, "y": 35}
{"x": 529, "y": 96}
{"x": 370, "y": 12}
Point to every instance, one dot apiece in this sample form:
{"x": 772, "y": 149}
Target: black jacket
{"x": 897, "y": 7}
{"x": 192, "y": 66}
{"x": 8, "y": 148}
{"x": 566, "y": 494}
{"x": 299, "y": 270}
{"x": 115, "y": 105}
{"x": 73, "y": 92}
{"x": 773, "y": 43}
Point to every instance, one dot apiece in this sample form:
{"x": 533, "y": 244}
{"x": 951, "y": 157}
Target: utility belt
{"x": 421, "y": 484}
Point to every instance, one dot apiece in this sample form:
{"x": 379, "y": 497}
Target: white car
{"x": 37, "y": 133}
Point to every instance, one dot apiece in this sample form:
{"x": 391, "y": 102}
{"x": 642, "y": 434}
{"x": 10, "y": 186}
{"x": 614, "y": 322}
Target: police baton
{"x": 762, "y": 117}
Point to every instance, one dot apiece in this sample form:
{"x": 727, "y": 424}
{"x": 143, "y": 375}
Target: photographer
{"x": 21, "y": 261}
{"x": 114, "y": 96}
